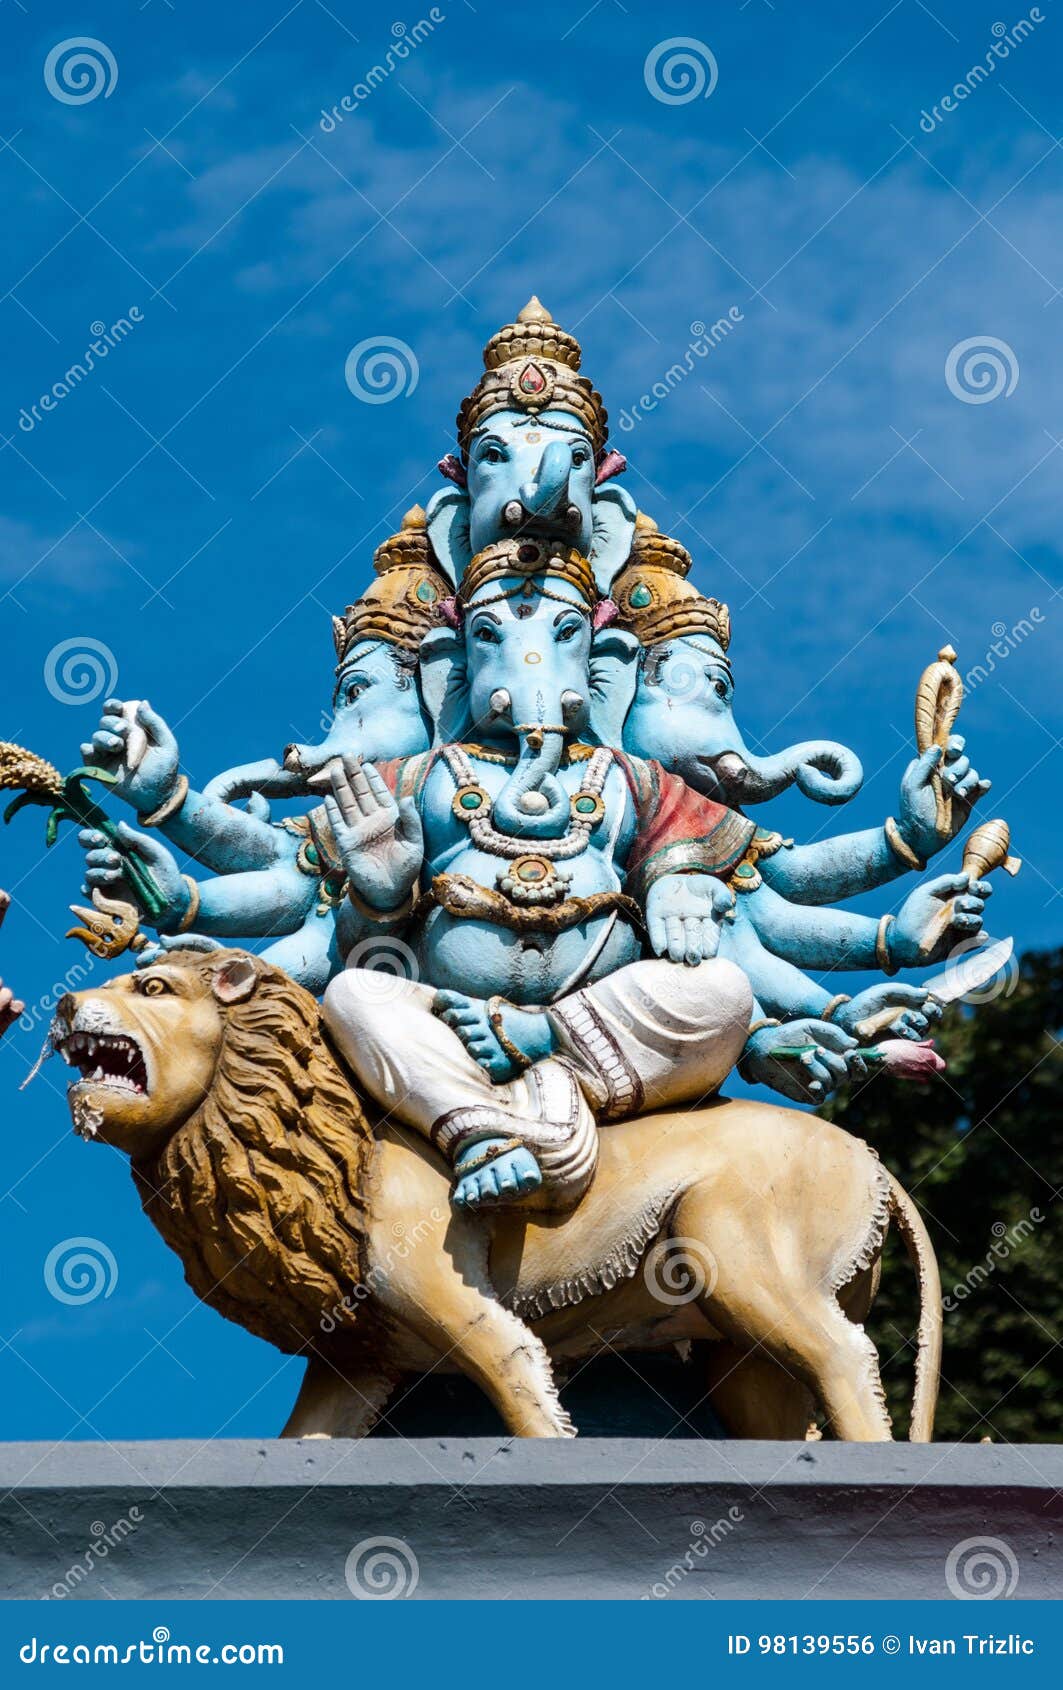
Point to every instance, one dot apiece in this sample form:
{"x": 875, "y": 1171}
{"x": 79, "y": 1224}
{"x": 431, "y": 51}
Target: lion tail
{"x": 928, "y": 1348}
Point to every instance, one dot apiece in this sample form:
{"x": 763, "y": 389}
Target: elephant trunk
{"x": 823, "y": 770}
{"x": 533, "y": 804}
{"x": 546, "y": 498}
{"x": 267, "y": 777}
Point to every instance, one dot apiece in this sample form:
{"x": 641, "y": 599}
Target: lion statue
{"x": 330, "y": 1233}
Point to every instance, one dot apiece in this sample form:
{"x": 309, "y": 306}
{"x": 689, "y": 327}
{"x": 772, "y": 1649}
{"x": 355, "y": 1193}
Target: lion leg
{"x": 444, "y": 1298}
{"x": 337, "y": 1401}
{"x": 754, "y": 1300}
{"x": 755, "y": 1397}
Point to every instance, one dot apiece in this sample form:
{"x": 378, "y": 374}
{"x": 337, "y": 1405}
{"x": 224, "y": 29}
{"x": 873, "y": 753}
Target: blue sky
{"x": 206, "y": 498}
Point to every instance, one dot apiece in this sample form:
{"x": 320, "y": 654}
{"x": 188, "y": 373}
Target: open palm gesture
{"x": 379, "y": 837}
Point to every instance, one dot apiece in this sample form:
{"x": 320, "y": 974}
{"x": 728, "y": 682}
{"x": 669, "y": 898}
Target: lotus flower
{"x": 909, "y": 1059}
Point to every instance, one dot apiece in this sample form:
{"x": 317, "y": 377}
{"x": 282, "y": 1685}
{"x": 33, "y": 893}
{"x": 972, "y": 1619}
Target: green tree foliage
{"x": 980, "y": 1149}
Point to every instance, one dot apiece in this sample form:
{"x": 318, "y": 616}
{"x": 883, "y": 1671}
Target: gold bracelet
{"x": 169, "y": 807}
{"x": 900, "y": 846}
{"x": 486, "y": 1157}
{"x": 827, "y": 1012}
{"x": 882, "y": 948}
{"x": 192, "y": 911}
{"x": 765, "y": 1021}
{"x": 514, "y": 1052}
{"x": 399, "y": 913}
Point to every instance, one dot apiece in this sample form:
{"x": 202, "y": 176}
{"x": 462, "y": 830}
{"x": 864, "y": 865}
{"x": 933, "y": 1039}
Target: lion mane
{"x": 260, "y": 1191}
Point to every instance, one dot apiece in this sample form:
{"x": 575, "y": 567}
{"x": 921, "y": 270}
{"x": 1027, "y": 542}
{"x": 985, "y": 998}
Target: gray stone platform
{"x": 497, "y": 1518}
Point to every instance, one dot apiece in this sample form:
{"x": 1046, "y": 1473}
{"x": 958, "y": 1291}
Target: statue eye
{"x": 492, "y": 454}
{"x": 721, "y": 687}
{"x": 568, "y": 631}
{"x": 579, "y": 456}
{"x": 155, "y": 987}
{"x": 485, "y": 632}
{"x": 353, "y": 691}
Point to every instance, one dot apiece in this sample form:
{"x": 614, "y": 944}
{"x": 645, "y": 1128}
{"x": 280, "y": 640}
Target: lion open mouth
{"x": 108, "y": 1059}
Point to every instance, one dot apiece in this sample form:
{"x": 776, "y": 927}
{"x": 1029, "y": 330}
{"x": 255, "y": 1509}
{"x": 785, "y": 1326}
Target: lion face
{"x": 146, "y": 1047}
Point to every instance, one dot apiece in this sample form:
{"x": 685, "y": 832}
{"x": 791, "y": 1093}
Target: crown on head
{"x": 531, "y": 365}
{"x": 529, "y": 558}
{"x": 655, "y": 601}
{"x": 402, "y": 604}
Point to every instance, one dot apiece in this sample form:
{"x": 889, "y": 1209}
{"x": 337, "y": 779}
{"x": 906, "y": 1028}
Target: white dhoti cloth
{"x": 653, "y": 1035}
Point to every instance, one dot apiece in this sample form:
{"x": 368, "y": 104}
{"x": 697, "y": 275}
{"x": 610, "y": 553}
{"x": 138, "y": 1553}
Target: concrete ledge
{"x": 496, "y": 1518}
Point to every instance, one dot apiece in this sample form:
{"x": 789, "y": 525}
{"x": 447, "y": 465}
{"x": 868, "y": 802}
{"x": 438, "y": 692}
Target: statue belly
{"x": 482, "y": 959}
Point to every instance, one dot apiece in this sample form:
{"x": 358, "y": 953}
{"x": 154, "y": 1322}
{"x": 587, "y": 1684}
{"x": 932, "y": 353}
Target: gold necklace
{"x": 485, "y": 754}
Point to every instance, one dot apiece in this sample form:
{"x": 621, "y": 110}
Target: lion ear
{"x": 235, "y": 980}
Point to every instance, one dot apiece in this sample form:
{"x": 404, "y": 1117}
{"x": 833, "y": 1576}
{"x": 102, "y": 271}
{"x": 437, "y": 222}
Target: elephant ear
{"x": 614, "y": 669}
{"x": 447, "y": 523}
{"x": 445, "y": 685}
{"x": 613, "y": 531}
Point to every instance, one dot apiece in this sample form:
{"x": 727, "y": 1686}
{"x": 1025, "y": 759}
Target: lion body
{"x": 752, "y": 1225}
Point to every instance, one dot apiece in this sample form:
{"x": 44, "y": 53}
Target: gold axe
{"x": 937, "y": 704}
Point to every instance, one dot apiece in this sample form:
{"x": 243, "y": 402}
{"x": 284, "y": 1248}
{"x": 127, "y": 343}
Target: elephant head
{"x": 532, "y": 666}
{"x": 683, "y": 709}
{"x": 533, "y": 456}
{"x": 376, "y": 709}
